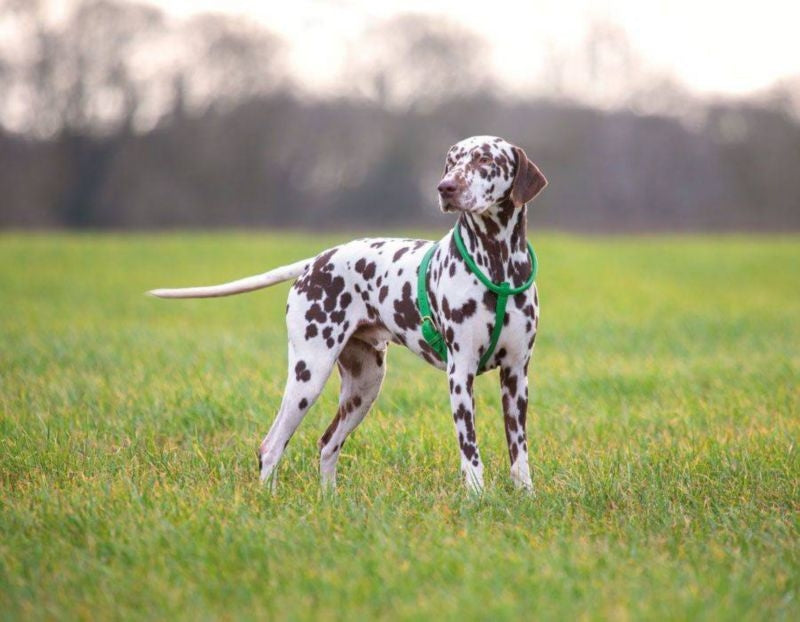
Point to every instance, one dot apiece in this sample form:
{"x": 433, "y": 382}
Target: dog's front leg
{"x": 514, "y": 385}
{"x": 461, "y": 378}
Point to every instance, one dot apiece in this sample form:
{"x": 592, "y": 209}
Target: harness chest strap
{"x": 503, "y": 290}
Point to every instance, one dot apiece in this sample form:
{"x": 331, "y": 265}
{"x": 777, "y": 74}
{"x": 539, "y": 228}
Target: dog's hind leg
{"x": 308, "y": 372}
{"x": 362, "y": 368}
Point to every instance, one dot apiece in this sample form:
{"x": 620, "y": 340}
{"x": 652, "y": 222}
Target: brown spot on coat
{"x": 406, "y": 315}
{"x": 400, "y": 253}
{"x": 301, "y": 372}
{"x": 316, "y": 314}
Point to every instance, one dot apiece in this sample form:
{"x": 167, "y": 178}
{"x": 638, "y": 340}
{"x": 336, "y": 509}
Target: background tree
{"x": 117, "y": 116}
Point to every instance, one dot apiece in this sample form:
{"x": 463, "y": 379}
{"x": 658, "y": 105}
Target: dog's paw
{"x": 267, "y": 477}
{"x": 522, "y": 484}
{"x": 473, "y": 480}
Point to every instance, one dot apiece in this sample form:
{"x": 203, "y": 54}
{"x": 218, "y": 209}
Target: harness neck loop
{"x": 498, "y": 288}
{"x": 502, "y": 290}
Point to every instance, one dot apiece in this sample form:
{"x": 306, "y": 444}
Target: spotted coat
{"x": 356, "y": 298}
{"x": 351, "y": 301}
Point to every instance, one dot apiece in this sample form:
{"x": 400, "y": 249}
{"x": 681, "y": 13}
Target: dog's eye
{"x": 486, "y": 159}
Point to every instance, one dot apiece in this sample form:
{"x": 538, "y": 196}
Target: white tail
{"x": 247, "y": 284}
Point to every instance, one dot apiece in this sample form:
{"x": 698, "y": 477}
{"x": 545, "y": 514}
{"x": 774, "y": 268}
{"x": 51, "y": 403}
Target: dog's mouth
{"x": 449, "y": 206}
{"x": 457, "y": 203}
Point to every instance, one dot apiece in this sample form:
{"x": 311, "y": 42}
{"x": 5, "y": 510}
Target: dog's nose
{"x": 447, "y": 188}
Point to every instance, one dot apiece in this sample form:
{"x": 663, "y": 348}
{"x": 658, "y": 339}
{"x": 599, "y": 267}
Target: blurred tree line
{"x": 115, "y": 116}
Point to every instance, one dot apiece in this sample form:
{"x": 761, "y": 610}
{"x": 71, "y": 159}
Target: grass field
{"x": 664, "y": 422}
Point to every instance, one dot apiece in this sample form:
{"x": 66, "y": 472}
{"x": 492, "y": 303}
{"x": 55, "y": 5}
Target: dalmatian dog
{"x": 349, "y": 302}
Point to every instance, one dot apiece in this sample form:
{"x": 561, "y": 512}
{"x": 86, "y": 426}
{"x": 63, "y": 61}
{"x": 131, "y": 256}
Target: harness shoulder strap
{"x": 429, "y": 332}
{"x": 499, "y": 316}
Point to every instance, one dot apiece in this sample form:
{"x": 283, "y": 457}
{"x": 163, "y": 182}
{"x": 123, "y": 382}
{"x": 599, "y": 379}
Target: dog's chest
{"x": 465, "y": 312}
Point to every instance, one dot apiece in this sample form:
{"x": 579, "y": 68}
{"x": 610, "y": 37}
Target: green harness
{"x": 503, "y": 291}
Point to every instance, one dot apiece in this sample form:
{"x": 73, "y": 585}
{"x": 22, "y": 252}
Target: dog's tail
{"x": 247, "y": 284}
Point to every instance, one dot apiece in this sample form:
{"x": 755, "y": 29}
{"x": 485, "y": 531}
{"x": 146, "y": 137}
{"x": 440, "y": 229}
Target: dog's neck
{"x": 496, "y": 240}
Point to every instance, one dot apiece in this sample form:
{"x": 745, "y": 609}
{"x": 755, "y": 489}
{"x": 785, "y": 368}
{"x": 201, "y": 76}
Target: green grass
{"x": 664, "y": 421}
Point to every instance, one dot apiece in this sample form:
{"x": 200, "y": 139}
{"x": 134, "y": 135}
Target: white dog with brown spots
{"x": 351, "y": 301}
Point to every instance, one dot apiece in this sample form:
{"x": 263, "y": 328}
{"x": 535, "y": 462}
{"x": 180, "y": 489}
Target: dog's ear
{"x": 528, "y": 180}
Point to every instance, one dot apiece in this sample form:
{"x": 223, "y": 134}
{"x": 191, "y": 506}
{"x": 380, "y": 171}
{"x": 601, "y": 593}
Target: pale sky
{"x": 711, "y": 46}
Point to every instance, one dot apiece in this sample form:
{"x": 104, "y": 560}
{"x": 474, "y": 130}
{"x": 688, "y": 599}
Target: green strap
{"x": 503, "y": 291}
{"x": 429, "y": 332}
{"x": 497, "y": 288}
{"x": 499, "y": 316}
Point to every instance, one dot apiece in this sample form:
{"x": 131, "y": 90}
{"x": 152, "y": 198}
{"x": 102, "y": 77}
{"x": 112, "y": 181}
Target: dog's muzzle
{"x": 448, "y": 191}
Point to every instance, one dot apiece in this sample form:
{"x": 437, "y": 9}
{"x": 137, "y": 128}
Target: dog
{"x": 351, "y": 301}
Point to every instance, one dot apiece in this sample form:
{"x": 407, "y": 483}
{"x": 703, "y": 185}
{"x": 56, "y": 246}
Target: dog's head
{"x": 482, "y": 171}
